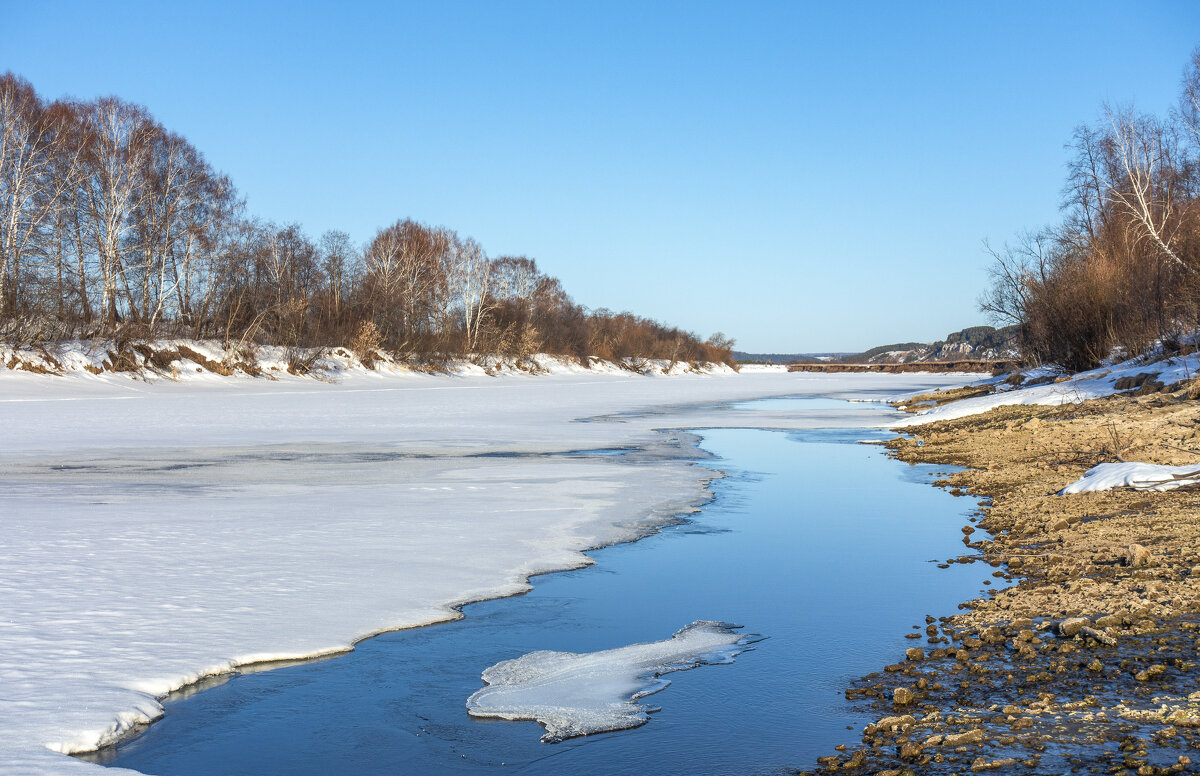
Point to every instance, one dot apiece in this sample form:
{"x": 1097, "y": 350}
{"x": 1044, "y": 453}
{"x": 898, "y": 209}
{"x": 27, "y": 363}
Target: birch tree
{"x": 118, "y": 142}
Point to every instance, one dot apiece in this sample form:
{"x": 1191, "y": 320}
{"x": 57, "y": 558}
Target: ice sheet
{"x": 574, "y": 694}
{"x": 155, "y": 533}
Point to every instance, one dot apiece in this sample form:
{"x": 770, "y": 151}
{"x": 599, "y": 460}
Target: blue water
{"x": 822, "y": 545}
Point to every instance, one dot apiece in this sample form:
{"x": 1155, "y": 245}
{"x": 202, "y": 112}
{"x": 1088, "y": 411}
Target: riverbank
{"x": 1085, "y": 661}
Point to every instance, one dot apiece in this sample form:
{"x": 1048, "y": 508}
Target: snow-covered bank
{"x": 155, "y": 533}
{"x": 190, "y": 360}
{"x": 578, "y": 695}
{"x": 1042, "y": 386}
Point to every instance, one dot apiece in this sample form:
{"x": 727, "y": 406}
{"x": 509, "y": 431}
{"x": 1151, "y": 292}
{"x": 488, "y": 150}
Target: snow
{"x": 159, "y": 531}
{"x": 1092, "y": 384}
{"x": 1142, "y": 476}
{"x": 579, "y": 694}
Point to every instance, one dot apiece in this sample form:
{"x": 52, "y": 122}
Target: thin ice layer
{"x": 595, "y": 692}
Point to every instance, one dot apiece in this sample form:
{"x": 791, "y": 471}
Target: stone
{"x": 1100, "y": 636}
{"x": 889, "y": 724}
{"x": 1071, "y": 626}
{"x": 983, "y": 764}
{"x": 973, "y": 736}
{"x": 914, "y": 654}
{"x": 1137, "y": 556}
{"x": 1155, "y": 670}
{"x": 902, "y": 696}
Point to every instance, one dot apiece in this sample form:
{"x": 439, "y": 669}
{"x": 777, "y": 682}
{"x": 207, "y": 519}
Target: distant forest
{"x": 1122, "y": 269}
{"x": 112, "y": 226}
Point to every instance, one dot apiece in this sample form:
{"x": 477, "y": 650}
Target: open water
{"x": 823, "y": 545}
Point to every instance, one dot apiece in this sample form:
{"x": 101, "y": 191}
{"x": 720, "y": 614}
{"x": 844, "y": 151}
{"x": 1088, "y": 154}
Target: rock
{"x": 910, "y": 750}
{"x": 1155, "y": 670}
{"x": 889, "y": 724}
{"x": 1137, "y": 556}
{"x": 973, "y": 736}
{"x": 914, "y": 654}
{"x": 1184, "y": 718}
{"x": 902, "y": 696}
{"x": 1061, "y": 524}
{"x": 992, "y": 635}
{"x": 1095, "y": 666}
{"x": 1100, "y": 636}
{"x": 1110, "y": 621}
{"x": 1071, "y": 626}
{"x": 1137, "y": 381}
{"x": 983, "y": 764}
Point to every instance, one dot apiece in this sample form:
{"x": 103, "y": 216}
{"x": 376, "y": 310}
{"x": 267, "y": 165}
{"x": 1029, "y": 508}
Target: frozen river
{"x": 156, "y": 534}
{"x": 820, "y": 544}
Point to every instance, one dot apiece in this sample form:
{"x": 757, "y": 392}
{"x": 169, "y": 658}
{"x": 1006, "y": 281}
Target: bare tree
{"x": 1145, "y": 154}
{"x": 118, "y": 143}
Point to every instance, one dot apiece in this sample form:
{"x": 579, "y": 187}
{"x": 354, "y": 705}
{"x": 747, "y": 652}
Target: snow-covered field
{"x": 154, "y": 533}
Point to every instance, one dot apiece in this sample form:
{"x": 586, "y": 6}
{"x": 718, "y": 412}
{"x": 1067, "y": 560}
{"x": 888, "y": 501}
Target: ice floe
{"x": 574, "y": 694}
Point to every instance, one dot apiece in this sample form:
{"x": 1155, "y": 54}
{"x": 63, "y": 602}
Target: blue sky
{"x": 800, "y": 176}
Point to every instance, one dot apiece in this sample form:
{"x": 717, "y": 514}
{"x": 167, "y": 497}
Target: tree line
{"x": 1122, "y": 269}
{"x": 112, "y": 226}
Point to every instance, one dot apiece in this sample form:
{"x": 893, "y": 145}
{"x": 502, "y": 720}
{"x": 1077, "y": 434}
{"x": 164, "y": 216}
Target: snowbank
{"x": 1055, "y": 391}
{"x": 1141, "y": 476}
{"x": 158, "y": 532}
{"x": 190, "y": 360}
{"x": 577, "y": 695}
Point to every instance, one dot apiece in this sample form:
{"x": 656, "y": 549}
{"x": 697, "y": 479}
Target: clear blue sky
{"x": 801, "y": 176}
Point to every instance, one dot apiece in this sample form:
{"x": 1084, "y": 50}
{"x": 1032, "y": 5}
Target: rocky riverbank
{"x": 1083, "y": 658}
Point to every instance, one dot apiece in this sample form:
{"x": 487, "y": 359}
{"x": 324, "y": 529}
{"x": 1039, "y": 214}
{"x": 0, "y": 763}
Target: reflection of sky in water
{"x": 820, "y": 545}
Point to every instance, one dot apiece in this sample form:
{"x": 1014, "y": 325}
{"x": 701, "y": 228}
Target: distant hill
{"x": 974, "y": 343}
{"x": 977, "y": 343}
{"x": 784, "y": 358}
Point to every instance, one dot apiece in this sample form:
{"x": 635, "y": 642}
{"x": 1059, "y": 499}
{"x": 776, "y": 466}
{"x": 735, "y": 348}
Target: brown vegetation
{"x": 111, "y": 226}
{"x": 1123, "y": 269}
